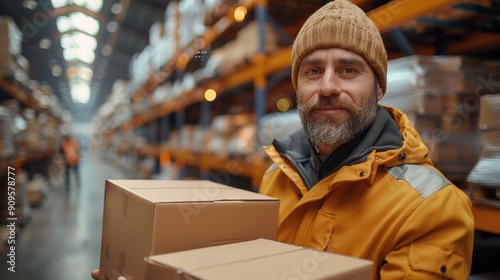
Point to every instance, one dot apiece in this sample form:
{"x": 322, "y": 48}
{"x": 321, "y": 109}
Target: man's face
{"x": 337, "y": 96}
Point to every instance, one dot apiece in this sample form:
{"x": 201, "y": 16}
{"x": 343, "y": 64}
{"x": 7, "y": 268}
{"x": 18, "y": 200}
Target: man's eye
{"x": 349, "y": 70}
{"x": 313, "y": 71}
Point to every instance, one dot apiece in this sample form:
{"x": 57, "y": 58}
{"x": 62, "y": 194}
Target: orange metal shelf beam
{"x": 487, "y": 218}
{"x": 397, "y": 12}
{"x": 273, "y": 63}
{"x": 476, "y": 42}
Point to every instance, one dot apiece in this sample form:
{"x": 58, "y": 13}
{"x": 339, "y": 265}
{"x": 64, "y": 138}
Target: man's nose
{"x": 329, "y": 84}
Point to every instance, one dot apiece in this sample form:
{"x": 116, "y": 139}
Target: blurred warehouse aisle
{"x": 62, "y": 239}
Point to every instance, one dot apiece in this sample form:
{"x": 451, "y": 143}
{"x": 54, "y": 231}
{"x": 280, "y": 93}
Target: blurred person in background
{"x": 70, "y": 149}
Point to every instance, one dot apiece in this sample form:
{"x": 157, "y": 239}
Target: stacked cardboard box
{"x": 257, "y": 259}
{"x": 484, "y": 179}
{"x": 151, "y": 217}
{"x": 441, "y": 96}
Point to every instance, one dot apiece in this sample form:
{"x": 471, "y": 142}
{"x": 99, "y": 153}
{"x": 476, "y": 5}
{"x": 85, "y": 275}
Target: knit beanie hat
{"x": 343, "y": 25}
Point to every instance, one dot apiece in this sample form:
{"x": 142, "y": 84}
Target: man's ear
{"x": 380, "y": 93}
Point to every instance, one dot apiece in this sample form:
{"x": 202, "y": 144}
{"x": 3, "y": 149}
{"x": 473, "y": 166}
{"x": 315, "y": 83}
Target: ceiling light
{"x": 56, "y": 71}
{"x": 30, "y": 4}
{"x": 239, "y": 13}
{"x": 59, "y": 3}
{"x": 283, "y": 104}
{"x": 80, "y": 93}
{"x": 63, "y": 24}
{"x": 112, "y": 26}
{"x": 116, "y": 8}
{"x": 76, "y": 53}
{"x": 84, "y": 22}
{"x": 92, "y": 5}
{"x": 85, "y": 73}
{"x": 45, "y": 43}
{"x": 210, "y": 95}
{"x": 106, "y": 50}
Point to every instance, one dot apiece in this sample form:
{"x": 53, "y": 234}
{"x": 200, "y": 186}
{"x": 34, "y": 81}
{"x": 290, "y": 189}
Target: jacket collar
{"x": 382, "y": 135}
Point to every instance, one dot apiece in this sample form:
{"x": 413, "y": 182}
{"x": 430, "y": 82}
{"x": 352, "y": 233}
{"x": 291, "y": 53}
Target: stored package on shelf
{"x": 192, "y": 21}
{"x": 229, "y": 135}
{"x": 242, "y": 144}
{"x": 441, "y": 95}
{"x": 241, "y": 50}
{"x": 215, "y": 9}
{"x": 117, "y": 109}
{"x": 277, "y": 125}
{"x": 198, "y": 140}
{"x": 489, "y": 113}
{"x": 161, "y": 93}
{"x": 139, "y": 67}
{"x": 484, "y": 179}
{"x": 11, "y": 37}
{"x": 7, "y": 149}
{"x": 30, "y": 138}
{"x": 192, "y": 138}
{"x": 12, "y": 63}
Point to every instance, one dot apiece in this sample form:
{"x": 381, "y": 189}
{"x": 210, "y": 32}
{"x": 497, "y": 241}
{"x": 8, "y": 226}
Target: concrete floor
{"x": 63, "y": 238}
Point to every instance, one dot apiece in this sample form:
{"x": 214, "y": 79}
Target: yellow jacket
{"x": 388, "y": 205}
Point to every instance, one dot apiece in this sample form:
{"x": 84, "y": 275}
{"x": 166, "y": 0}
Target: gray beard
{"x": 329, "y": 130}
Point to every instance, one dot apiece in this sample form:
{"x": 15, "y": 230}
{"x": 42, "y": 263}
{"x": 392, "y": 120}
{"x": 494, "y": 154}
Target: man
{"x": 71, "y": 151}
{"x": 357, "y": 180}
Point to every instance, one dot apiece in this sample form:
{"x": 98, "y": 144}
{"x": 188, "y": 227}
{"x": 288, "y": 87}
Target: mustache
{"x": 326, "y": 102}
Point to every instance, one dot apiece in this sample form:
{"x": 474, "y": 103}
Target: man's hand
{"x": 95, "y": 275}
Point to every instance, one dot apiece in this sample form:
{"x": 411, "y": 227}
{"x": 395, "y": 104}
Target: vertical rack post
{"x": 180, "y": 120}
{"x": 260, "y": 59}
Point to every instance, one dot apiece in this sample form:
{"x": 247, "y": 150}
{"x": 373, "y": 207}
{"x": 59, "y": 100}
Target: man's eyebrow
{"x": 352, "y": 61}
{"x": 309, "y": 61}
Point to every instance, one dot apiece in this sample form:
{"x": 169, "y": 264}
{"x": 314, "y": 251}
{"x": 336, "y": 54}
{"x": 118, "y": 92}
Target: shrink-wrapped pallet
{"x": 484, "y": 179}
{"x": 6, "y": 133}
{"x": 226, "y": 131}
{"x": 242, "y": 143}
{"x": 12, "y": 63}
{"x": 442, "y": 94}
{"x": 489, "y": 114}
{"x": 277, "y": 125}
{"x": 241, "y": 50}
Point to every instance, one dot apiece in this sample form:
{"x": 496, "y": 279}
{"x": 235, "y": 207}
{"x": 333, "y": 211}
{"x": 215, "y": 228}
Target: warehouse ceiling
{"x": 465, "y": 28}
{"x": 123, "y": 31}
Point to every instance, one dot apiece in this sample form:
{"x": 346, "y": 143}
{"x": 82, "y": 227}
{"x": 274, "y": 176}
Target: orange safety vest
{"x": 71, "y": 151}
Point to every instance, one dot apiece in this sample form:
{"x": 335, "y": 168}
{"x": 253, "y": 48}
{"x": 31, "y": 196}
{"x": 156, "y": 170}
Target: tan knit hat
{"x": 343, "y": 25}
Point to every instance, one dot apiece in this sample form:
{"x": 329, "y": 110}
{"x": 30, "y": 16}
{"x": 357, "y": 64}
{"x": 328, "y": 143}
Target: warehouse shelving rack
{"x": 11, "y": 89}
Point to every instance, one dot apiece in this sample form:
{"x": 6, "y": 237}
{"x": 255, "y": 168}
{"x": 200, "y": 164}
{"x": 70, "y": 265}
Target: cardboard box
{"x": 258, "y": 259}
{"x": 151, "y": 217}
